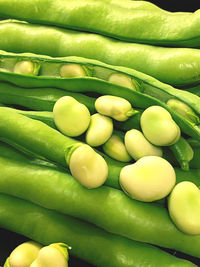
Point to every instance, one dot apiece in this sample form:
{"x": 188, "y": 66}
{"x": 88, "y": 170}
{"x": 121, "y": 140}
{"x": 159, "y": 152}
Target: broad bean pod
{"x": 88, "y": 242}
{"x": 39, "y": 140}
{"x": 176, "y": 66}
{"x": 39, "y": 99}
{"x": 116, "y": 213}
{"x": 43, "y": 99}
{"x": 96, "y": 80}
{"x": 155, "y": 26}
{"x": 114, "y": 167}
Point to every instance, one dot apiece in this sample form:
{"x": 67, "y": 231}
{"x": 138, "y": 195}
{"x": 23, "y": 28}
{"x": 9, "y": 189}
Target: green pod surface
{"x": 155, "y": 26}
{"x": 177, "y": 66}
{"x": 39, "y": 140}
{"x": 39, "y": 99}
{"x": 96, "y": 81}
{"x": 117, "y": 213}
{"x": 86, "y": 240}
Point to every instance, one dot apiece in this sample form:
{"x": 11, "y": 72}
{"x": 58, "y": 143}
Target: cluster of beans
{"x": 94, "y": 152}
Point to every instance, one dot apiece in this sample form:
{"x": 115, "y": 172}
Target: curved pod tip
{"x": 88, "y": 167}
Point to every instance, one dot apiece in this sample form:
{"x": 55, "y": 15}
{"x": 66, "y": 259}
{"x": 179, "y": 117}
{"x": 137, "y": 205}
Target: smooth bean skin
{"x": 26, "y": 68}
{"x": 122, "y": 80}
{"x": 24, "y": 254}
{"x": 88, "y": 167}
{"x": 72, "y": 71}
{"x": 115, "y": 107}
{"x": 138, "y": 146}
{"x": 144, "y": 222}
{"x": 71, "y": 117}
{"x": 159, "y": 127}
{"x": 184, "y": 207}
{"x": 53, "y": 255}
{"x": 156, "y": 25}
{"x": 150, "y": 178}
{"x": 87, "y": 240}
{"x": 115, "y": 148}
{"x": 174, "y": 66}
{"x": 99, "y": 130}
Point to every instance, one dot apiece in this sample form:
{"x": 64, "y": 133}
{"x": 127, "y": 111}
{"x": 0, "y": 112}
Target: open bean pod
{"x": 144, "y": 91}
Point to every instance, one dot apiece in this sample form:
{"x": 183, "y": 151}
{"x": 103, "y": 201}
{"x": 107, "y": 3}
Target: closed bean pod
{"x": 155, "y": 25}
{"x": 151, "y": 222}
{"x": 87, "y": 240}
{"x": 176, "y": 66}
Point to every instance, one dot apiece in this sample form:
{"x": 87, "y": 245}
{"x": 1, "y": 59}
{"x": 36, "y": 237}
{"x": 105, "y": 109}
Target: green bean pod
{"x": 117, "y": 213}
{"x": 156, "y": 27}
{"x": 39, "y": 140}
{"x": 177, "y": 66}
{"x": 42, "y": 99}
{"x": 87, "y": 241}
{"x": 154, "y": 92}
{"x": 183, "y": 153}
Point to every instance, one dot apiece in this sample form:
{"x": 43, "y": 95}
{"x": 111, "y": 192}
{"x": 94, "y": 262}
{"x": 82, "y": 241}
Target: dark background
{"x": 9, "y": 240}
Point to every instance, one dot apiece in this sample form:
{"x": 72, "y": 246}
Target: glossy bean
{"x": 115, "y": 107}
{"x": 67, "y": 112}
{"x": 24, "y": 254}
{"x": 138, "y": 146}
{"x": 99, "y": 130}
{"x": 184, "y": 207}
{"x": 115, "y": 148}
{"x": 159, "y": 127}
{"x": 150, "y": 178}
